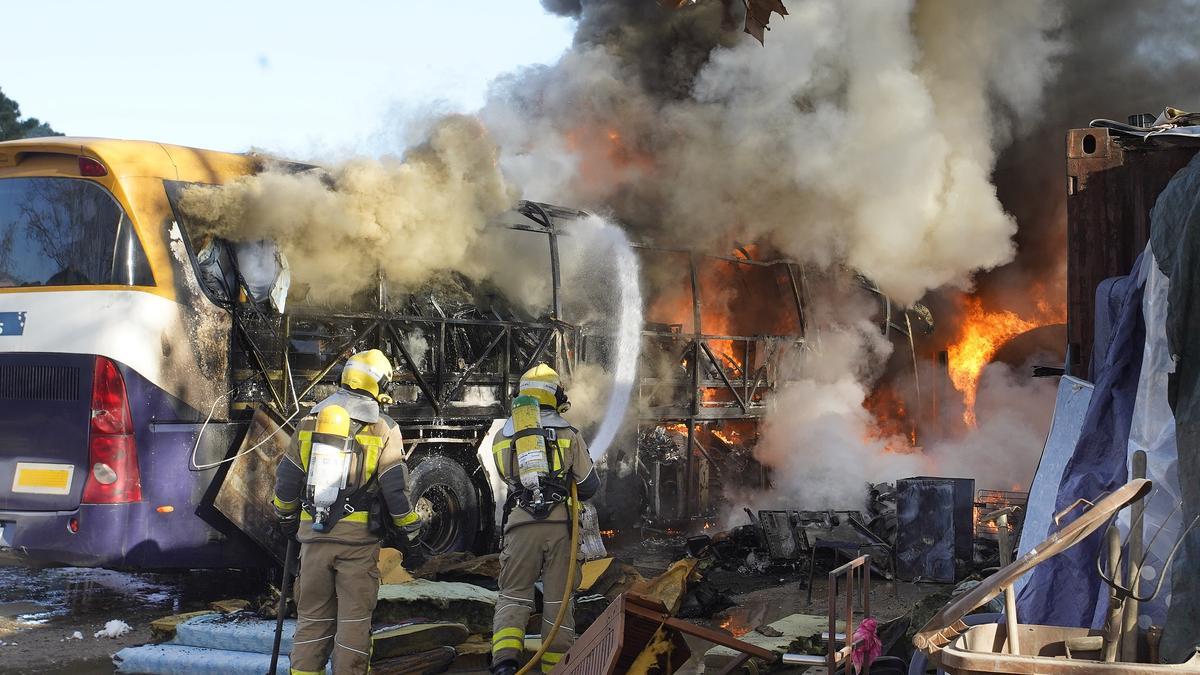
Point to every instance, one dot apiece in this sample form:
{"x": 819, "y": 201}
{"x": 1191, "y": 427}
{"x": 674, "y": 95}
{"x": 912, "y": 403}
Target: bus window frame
{"x": 124, "y": 218}
{"x": 181, "y": 223}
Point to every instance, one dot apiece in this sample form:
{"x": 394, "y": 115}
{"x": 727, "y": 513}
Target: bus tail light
{"x": 114, "y": 477}
{"x": 91, "y": 167}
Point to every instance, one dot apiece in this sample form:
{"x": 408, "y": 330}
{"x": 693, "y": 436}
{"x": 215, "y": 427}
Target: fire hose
{"x": 568, "y": 590}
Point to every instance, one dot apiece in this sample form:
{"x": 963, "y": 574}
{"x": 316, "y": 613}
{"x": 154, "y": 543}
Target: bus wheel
{"x": 444, "y": 496}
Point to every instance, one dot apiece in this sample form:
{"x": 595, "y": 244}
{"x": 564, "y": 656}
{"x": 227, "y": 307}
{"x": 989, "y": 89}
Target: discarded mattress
{"x": 187, "y": 660}
{"x": 437, "y": 601}
{"x": 240, "y": 643}
{"x": 234, "y": 632}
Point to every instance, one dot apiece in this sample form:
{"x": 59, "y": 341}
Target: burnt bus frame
{"x": 382, "y": 328}
{"x": 265, "y": 356}
{"x": 693, "y": 501}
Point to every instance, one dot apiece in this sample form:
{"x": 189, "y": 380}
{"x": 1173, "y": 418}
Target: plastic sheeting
{"x": 1153, "y": 431}
{"x": 1070, "y": 406}
{"x": 1175, "y": 239}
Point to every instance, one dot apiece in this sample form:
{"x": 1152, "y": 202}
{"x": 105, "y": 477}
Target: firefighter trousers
{"x": 531, "y": 551}
{"x": 336, "y": 593}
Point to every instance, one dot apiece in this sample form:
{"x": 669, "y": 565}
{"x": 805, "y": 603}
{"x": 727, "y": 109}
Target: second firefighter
{"x": 539, "y": 454}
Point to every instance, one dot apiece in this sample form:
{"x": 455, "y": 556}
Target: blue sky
{"x": 301, "y": 78}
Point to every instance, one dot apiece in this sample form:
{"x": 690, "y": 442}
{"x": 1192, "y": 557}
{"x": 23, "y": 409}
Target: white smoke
{"x": 1002, "y": 452}
{"x": 819, "y": 438}
{"x": 413, "y": 217}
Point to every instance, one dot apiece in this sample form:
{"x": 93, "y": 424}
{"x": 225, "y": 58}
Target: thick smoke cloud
{"x": 1120, "y": 59}
{"x": 863, "y": 133}
{"x": 411, "y": 217}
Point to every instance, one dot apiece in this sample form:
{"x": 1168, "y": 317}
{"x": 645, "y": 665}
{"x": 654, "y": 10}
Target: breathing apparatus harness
{"x": 537, "y": 488}
{"x": 333, "y": 448}
{"x": 540, "y": 487}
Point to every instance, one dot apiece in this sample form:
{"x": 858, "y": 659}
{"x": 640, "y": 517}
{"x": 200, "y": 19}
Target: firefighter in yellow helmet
{"x": 538, "y": 454}
{"x": 344, "y": 464}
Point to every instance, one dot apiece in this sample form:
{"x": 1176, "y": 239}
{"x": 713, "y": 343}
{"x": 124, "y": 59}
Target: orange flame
{"x": 730, "y": 437}
{"x": 891, "y": 423}
{"x": 981, "y": 335}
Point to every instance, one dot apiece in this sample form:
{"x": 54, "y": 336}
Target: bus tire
{"x": 443, "y": 494}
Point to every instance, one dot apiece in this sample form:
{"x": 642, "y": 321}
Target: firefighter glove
{"x": 288, "y": 523}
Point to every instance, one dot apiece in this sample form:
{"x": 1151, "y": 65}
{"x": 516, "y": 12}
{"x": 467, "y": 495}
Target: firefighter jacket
{"x": 378, "y": 464}
{"x": 568, "y": 460}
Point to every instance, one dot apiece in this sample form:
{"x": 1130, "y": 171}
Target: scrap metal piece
{"x": 635, "y": 630}
{"x": 758, "y": 15}
{"x": 251, "y": 476}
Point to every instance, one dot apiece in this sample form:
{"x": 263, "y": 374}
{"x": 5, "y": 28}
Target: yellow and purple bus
{"x": 108, "y": 348}
{"x": 130, "y": 365}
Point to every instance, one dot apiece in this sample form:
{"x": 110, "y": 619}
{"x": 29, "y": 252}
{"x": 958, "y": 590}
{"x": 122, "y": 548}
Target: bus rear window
{"x": 66, "y": 232}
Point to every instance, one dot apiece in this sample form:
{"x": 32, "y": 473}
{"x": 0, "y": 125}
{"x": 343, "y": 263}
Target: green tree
{"x": 12, "y": 126}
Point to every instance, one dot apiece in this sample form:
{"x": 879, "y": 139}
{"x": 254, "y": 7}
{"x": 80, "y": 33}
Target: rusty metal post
{"x": 912, "y": 348}
{"x": 1010, "y": 594}
{"x": 696, "y": 328}
{"x": 440, "y": 382}
{"x": 1129, "y": 625}
{"x": 697, "y": 331}
{"x": 1153, "y": 638}
{"x": 746, "y": 372}
{"x": 1112, "y": 623}
{"x": 555, "y": 272}
{"x": 830, "y": 651}
{"x": 506, "y": 370}
{"x": 685, "y": 495}
{"x": 796, "y": 296}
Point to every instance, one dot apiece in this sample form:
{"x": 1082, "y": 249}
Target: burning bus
{"x": 137, "y": 355}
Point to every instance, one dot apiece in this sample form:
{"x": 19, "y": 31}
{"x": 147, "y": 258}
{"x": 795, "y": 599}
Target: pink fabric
{"x": 869, "y": 647}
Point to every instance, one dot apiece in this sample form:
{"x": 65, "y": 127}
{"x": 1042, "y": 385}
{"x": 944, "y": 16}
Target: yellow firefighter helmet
{"x": 542, "y": 383}
{"x": 368, "y": 371}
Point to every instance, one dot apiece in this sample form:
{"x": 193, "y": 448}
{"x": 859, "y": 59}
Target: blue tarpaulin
{"x": 1063, "y": 590}
{"x": 1070, "y": 408}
